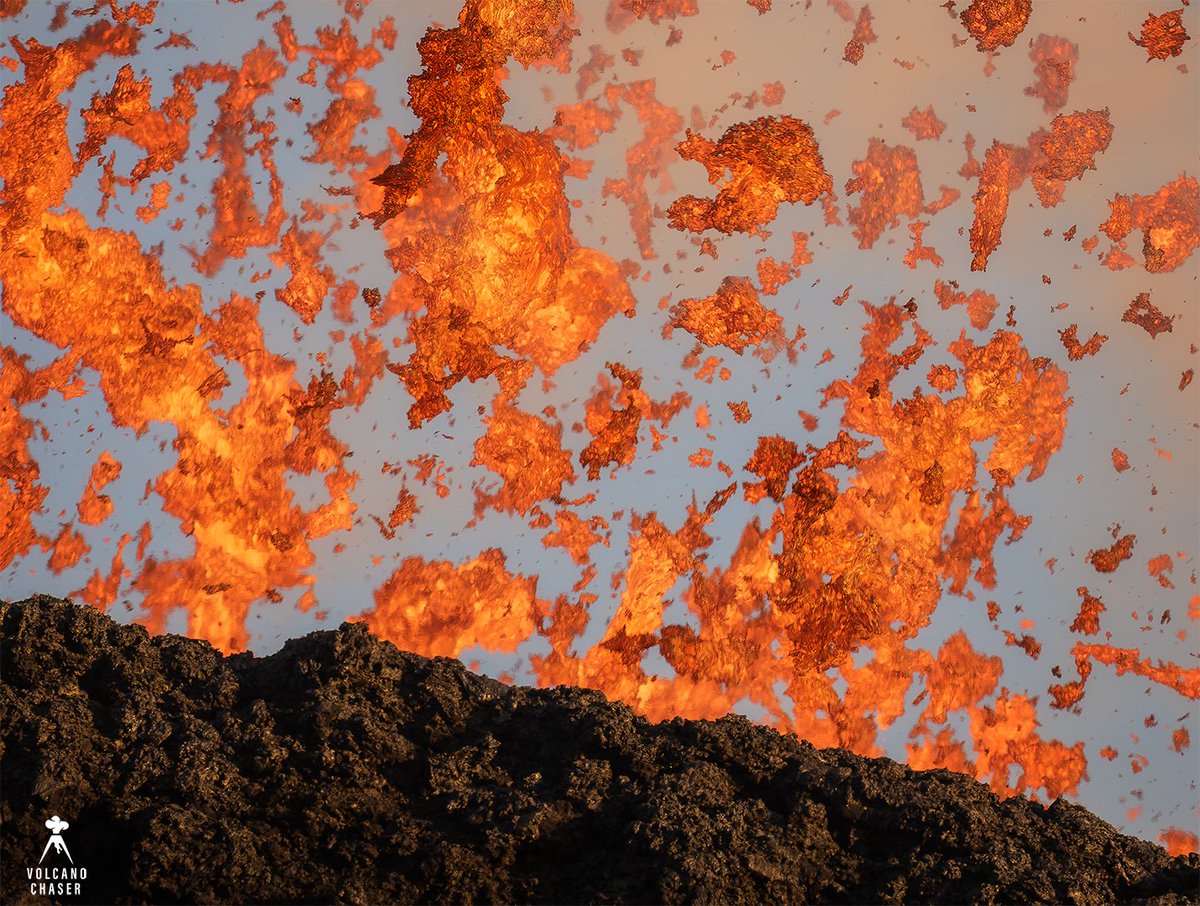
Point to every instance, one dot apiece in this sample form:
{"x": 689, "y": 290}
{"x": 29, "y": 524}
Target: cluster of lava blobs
{"x": 492, "y": 284}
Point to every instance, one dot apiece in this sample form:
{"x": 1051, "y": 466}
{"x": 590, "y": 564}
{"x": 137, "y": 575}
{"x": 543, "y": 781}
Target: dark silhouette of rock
{"x": 341, "y": 769}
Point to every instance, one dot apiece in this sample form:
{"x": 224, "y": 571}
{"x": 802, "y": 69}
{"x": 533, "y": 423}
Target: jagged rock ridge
{"x": 343, "y": 769}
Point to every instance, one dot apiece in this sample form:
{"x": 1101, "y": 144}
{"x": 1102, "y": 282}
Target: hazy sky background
{"x": 1155, "y": 109}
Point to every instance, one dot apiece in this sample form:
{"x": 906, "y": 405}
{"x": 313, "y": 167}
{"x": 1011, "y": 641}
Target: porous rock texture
{"x": 341, "y": 769}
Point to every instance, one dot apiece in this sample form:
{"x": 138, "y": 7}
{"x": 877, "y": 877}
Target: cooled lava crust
{"x": 341, "y": 769}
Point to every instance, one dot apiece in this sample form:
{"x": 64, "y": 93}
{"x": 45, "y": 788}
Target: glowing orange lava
{"x": 996, "y": 23}
{"x": 1162, "y": 36}
{"x": 772, "y": 159}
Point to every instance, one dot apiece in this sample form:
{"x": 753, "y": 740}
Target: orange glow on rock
{"x": 1179, "y": 842}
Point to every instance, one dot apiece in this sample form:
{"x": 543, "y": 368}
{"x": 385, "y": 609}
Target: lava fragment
{"x": 1026, "y": 643}
{"x": 1070, "y": 149}
{"x": 404, "y": 511}
{"x": 1054, "y": 61}
{"x": 991, "y": 203}
{"x": 622, "y": 12}
{"x": 1129, "y": 660}
{"x": 774, "y": 274}
{"x": 1146, "y": 315}
{"x": 741, "y": 411}
{"x": 95, "y": 507}
{"x": 575, "y": 535}
{"x": 646, "y": 158}
{"x": 923, "y": 124}
{"x": 1077, "y": 350}
{"x": 920, "y": 251}
{"x": 1087, "y": 622}
{"x": 615, "y": 430}
{"x": 438, "y": 609}
{"x": 20, "y": 494}
{"x": 1169, "y": 220}
{"x": 526, "y": 452}
{"x": 1106, "y": 560}
{"x": 995, "y": 23}
{"x": 772, "y": 160}
{"x": 1178, "y": 841}
{"x": 889, "y": 183}
{"x": 732, "y": 316}
{"x": 306, "y": 289}
{"x": 1160, "y": 568}
{"x": 981, "y": 306}
{"x": 515, "y": 275}
{"x": 773, "y": 461}
{"x": 1162, "y": 36}
{"x": 862, "y": 36}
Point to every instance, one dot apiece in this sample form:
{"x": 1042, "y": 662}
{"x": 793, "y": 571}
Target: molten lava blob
{"x": 516, "y": 276}
{"x": 996, "y": 23}
{"x": 732, "y": 317}
{"x": 1169, "y": 220}
{"x": 1162, "y": 36}
{"x": 771, "y": 160}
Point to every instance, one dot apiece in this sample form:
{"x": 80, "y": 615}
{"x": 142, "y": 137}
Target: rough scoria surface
{"x": 341, "y": 769}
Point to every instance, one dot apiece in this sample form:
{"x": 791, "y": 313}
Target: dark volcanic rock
{"x": 342, "y": 769}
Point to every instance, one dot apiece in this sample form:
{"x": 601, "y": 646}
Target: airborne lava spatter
{"x": 772, "y": 159}
{"x": 1162, "y": 35}
{"x": 996, "y": 23}
{"x": 811, "y": 557}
